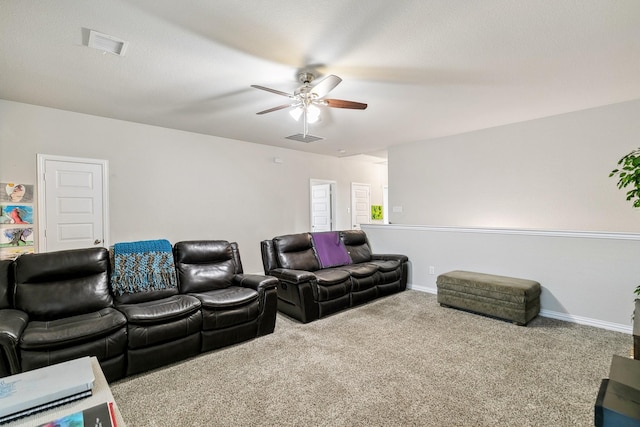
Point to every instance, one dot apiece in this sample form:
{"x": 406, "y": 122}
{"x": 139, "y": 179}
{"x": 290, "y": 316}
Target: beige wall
{"x": 550, "y": 173}
{"x": 178, "y": 185}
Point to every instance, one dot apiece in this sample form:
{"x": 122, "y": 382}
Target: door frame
{"x": 333, "y": 185}
{"x": 42, "y": 207}
{"x": 385, "y": 204}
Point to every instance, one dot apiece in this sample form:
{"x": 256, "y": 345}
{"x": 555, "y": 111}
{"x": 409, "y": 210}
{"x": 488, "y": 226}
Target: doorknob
{"x": 97, "y": 242}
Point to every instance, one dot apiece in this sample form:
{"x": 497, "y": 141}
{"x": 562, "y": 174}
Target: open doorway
{"x": 322, "y": 196}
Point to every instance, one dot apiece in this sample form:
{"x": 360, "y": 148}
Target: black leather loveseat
{"x": 58, "y": 306}
{"x": 322, "y": 273}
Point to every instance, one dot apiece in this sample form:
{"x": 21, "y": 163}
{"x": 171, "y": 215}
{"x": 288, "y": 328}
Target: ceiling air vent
{"x": 304, "y": 138}
{"x": 107, "y": 43}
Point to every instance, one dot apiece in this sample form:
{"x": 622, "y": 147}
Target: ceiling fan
{"x": 307, "y": 98}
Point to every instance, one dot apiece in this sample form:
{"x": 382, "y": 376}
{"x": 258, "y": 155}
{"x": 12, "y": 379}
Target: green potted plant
{"x": 628, "y": 174}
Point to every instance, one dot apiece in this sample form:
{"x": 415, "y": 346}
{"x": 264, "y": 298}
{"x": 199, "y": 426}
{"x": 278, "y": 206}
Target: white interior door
{"x": 360, "y": 205}
{"x": 321, "y": 207}
{"x": 72, "y": 202}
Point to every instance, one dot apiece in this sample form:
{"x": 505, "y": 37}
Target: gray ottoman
{"x": 509, "y": 298}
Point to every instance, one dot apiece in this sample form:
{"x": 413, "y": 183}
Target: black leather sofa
{"x": 58, "y": 306}
{"x": 311, "y": 288}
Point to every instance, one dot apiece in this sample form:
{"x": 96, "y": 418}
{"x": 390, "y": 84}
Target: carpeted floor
{"x": 398, "y": 361}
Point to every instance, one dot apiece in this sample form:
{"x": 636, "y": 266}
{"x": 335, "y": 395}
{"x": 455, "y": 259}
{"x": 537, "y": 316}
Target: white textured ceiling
{"x": 426, "y": 68}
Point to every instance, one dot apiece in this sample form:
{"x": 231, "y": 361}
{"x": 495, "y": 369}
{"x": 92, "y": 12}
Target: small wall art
{"x": 16, "y": 193}
{"x": 376, "y": 212}
{"x": 17, "y": 233}
{"x": 16, "y": 214}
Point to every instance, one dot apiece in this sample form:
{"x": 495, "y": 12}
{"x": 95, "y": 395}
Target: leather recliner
{"x": 162, "y": 327}
{"x": 70, "y": 311}
{"x": 235, "y": 307}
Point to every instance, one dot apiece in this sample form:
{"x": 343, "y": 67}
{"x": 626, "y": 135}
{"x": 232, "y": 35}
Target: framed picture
{"x": 16, "y": 193}
{"x": 16, "y": 214}
{"x": 17, "y": 233}
{"x": 10, "y": 237}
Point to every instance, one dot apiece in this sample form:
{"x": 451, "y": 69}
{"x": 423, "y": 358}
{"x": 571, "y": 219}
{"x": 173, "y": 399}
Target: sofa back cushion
{"x": 6, "y": 284}
{"x": 204, "y": 265}
{"x": 295, "y": 251}
{"x": 357, "y": 245}
{"x": 53, "y": 285}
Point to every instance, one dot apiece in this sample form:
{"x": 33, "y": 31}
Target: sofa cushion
{"x": 357, "y": 246}
{"x": 360, "y": 270}
{"x": 145, "y": 335}
{"x": 71, "y": 330}
{"x": 204, "y": 265}
{"x": 229, "y": 307}
{"x": 386, "y": 266}
{"x": 331, "y": 276}
{"x": 295, "y": 251}
{"x": 160, "y": 311}
{"x": 331, "y": 284}
{"x": 55, "y": 285}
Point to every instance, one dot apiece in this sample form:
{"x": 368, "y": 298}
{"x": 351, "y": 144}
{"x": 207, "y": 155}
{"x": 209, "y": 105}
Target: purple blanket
{"x": 330, "y": 249}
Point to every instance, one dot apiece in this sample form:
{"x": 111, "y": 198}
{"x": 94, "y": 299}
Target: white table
{"x": 101, "y": 394}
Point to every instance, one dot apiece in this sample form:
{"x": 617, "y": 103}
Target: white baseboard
{"x": 423, "y": 289}
{"x": 617, "y": 327}
{"x": 627, "y": 329}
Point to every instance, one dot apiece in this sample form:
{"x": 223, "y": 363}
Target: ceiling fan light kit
{"x": 307, "y": 99}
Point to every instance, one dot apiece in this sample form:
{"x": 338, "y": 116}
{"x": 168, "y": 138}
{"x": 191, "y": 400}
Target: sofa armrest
{"x": 292, "y": 276}
{"x": 256, "y": 281}
{"x": 390, "y": 257}
{"x": 12, "y": 323}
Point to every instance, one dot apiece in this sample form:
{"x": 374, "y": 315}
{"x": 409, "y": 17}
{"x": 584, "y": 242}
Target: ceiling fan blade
{"x": 277, "y": 92}
{"x": 325, "y": 85}
{"x": 339, "y": 103}
{"x": 279, "y": 107}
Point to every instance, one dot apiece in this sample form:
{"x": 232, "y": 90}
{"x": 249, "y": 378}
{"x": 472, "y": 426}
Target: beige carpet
{"x": 398, "y": 361}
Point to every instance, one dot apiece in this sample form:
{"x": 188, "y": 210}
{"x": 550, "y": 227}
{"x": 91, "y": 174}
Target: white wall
{"x": 179, "y": 185}
{"x": 550, "y": 173}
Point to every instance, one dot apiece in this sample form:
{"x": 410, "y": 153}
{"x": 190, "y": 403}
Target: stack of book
{"x": 34, "y": 391}
{"x": 101, "y": 415}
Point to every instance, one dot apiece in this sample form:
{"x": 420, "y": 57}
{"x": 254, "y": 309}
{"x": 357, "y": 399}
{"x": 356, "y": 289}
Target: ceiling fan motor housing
{"x": 306, "y": 78}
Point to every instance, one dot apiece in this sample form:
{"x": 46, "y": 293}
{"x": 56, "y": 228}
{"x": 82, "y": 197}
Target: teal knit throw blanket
{"x": 143, "y": 266}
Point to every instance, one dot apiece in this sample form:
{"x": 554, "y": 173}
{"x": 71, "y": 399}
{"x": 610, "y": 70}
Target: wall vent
{"x": 302, "y": 138}
{"x": 107, "y": 43}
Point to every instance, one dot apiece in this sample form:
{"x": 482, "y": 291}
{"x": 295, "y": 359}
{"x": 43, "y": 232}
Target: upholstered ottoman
{"x": 509, "y": 298}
